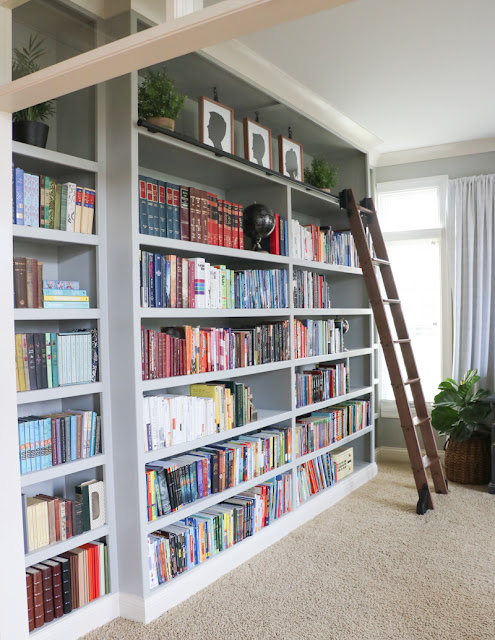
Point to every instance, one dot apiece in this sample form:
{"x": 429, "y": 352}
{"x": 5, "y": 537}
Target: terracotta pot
{"x": 30, "y": 132}
{"x": 468, "y": 462}
{"x": 165, "y": 123}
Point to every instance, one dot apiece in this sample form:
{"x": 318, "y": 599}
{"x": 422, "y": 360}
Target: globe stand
{"x": 258, "y": 222}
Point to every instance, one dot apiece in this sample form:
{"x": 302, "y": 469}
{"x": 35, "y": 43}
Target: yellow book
{"x": 66, "y": 298}
{"x": 229, "y": 408}
{"x": 19, "y": 359}
{"x": 209, "y": 391}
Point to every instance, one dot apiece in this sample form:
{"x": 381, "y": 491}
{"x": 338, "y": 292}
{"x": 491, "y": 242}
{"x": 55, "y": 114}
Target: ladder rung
{"x": 389, "y": 301}
{"x": 412, "y": 381}
{"x": 364, "y": 209}
{"x": 404, "y": 341}
{"x": 429, "y": 462}
{"x": 380, "y": 262}
{"x": 417, "y": 422}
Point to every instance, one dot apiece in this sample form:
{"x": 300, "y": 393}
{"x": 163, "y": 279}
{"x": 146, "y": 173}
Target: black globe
{"x": 258, "y": 222}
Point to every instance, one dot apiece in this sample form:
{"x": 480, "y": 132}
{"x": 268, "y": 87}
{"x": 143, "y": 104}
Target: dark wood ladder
{"x": 419, "y": 463}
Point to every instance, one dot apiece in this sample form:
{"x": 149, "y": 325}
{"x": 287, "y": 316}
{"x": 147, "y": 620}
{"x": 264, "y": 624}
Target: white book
{"x": 146, "y": 423}
{"x": 71, "y": 206}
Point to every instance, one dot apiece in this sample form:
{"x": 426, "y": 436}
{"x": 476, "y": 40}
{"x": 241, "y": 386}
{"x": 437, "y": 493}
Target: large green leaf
{"x": 447, "y": 386}
{"x": 443, "y": 418}
{"x": 470, "y": 379}
{"x": 461, "y": 431}
{"x": 448, "y": 398}
{"x": 480, "y": 394}
{"x": 474, "y": 413}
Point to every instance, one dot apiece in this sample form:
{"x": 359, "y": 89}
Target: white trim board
{"x": 423, "y": 154}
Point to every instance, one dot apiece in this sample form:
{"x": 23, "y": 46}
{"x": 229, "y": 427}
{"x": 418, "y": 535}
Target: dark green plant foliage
{"x": 321, "y": 174}
{"x": 158, "y": 97}
{"x": 458, "y": 409}
{"x": 25, "y": 62}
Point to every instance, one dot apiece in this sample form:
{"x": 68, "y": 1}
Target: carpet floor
{"x": 368, "y": 568}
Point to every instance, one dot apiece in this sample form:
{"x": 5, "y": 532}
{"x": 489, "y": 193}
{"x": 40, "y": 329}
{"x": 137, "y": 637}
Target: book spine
{"x": 184, "y": 214}
{"x": 19, "y": 196}
{"x": 143, "y": 206}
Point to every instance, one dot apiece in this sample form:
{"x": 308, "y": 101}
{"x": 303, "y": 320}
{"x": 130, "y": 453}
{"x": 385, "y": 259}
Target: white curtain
{"x": 471, "y": 243}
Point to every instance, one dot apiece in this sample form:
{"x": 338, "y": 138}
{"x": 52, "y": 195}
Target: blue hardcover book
{"x": 143, "y": 205}
{"x": 22, "y": 446}
{"x": 158, "y": 279}
{"x": 31, "y": 200}
{"x": 37, "y": 444}
{"x": 162, "y": 205}
{"x": 54, "y": 354}
{"x": 170, "y": 209}
{"x": 286, "y": 237}
{"x": 93, "y": 434}
{"x": 65, "y": 292}
{"x": 175, "y": 211}
{"x": 19, "y": 196}
{"x": 29, "y": 432}
{"x": 167, "y": 284}
{"x": 60, "y": 285}
{"x": 73, "y": 437}
{"x": 65, "y": 305}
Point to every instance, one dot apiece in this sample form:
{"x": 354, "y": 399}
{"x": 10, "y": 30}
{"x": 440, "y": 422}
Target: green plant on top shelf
{"x": 321, "y": 174}
{"x": 158, "y": 97}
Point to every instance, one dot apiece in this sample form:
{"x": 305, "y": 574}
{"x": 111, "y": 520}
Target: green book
{"x": 58, "y": 205}
{"x": 82, "y": 495}
{"x": 51, "y": 205}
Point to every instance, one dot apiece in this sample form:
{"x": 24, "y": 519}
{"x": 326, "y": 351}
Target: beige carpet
{"x": 366, "y": 569}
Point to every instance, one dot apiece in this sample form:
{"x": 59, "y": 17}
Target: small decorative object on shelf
{"x": 459, "y": 413}
{"x": 29, "y": 124}
{"x": 160, "y": 102}
{"x": 216, "y": 124}
{"x": 257, "y": 143}
{"x": 290, "y": 157}
{"x": 258, "y": 223}
{"x": 321, "y": 174}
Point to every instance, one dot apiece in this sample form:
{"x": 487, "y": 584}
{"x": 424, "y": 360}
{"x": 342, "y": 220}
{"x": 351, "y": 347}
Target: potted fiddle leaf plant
{"x": 321, "y": 174}
{"x": 28, "y": 125}
{"x": 159, "y": 100}
{"x": 459, "y": 413}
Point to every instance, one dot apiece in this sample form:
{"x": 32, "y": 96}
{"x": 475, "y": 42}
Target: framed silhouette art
{"x": 216, "y": 125}
{"x": 290, "y": 158}
{"x": 257, "y": 143}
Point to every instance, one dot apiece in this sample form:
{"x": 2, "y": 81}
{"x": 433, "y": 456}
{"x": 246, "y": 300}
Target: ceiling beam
{"x": 223, "y": 21}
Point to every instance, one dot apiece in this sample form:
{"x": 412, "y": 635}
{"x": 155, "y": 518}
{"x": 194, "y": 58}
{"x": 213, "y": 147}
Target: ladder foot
{"x": 447, "y": 486}
{"x": 422, "y": 506}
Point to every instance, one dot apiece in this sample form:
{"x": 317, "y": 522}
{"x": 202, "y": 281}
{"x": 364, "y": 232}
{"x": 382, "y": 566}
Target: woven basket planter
{"x": 468, "y": 462}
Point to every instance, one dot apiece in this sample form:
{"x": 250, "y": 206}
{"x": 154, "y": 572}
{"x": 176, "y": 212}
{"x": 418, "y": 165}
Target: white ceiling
{"x": 415, "y": 73}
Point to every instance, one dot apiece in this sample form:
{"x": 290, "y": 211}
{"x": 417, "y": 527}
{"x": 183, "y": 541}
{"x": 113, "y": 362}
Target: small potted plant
{"x": 321, "y": 174}
{"x": 159, "y": 101}
{"x": 28, "y": 125}
{"x": 459, "y": 412}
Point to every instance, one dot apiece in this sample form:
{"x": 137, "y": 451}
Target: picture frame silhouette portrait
{"x": 290, "y": 158}
{"x": 257, "y": 143}
{"x": 216, "y": 124}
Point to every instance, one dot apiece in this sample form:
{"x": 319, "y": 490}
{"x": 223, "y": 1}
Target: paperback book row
{"x": 314, "y": 476}
{"x": 322, "y": 428}
{"x": 186, "y": 213}
{"x": 310, "y": 290}
{"x": 323, "y": 383}
{"x": 49, "y": 360}
{"x": 66, "y": 582}
{"x": 189, "y": 542}
{"x": 177, "y": 351}
{"x": 318, "y": 337}
{"x": 169, "y": 281}
{"x": 31, "y": 291}
{"x": 50, "y": 519}
{"x": 40, "y": 201}
{"x": 57, "y": 438}
{"x": 210, "y": 408}
{"x": 323, "y": 244}
{"x": 178, "y": 481}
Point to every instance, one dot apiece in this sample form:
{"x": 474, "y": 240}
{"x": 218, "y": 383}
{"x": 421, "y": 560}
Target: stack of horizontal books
{"x": 64, "y": 294}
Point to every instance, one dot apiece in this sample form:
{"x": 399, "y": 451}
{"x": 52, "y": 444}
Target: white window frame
{"x": 388, "y": 408}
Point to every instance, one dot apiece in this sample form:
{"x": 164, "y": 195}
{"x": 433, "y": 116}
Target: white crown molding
{"x": 422, "y": 154}
{"x": 255, "y": 69}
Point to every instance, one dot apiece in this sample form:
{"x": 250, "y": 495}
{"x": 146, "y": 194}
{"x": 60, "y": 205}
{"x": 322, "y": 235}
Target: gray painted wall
{"x": 388, "y": 430}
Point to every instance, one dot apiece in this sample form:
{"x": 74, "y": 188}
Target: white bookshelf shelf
{"x": 58, "y": 393}
{"x": 62, "y": 470}
{"x": 354, "y": 353}
{"x": 47, "y": 156}
{"x": 57, "y": 548}
{"x": 335, "y": 445}
{"x": 266, "y": 417}
{"x": 56, "y": 314}
{"x": 306, "y": 313}
{"x": 318, "y": 406}
{"x": 321, "y": 267}
{"x": 161, "y": 313}
{"x": 54, "y": 236}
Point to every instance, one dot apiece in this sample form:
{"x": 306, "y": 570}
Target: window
{"x": 412, "y": 219}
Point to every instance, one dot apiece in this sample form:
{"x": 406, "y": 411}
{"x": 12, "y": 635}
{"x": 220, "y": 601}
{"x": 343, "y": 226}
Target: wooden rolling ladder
{"x": 419, "y": 463}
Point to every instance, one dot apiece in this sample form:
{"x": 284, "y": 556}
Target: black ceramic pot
{"x": 30, "y": 132}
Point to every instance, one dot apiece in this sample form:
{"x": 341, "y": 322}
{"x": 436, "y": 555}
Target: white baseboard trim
{"x": 396, "y": 454}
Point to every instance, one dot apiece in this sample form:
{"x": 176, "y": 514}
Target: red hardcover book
{"x": 214, "y": 213}
{"x": 46, "y": 573}
{"x": 235, "y": 225}
{"x": 227, "y": 222}
{"x": 56, "y": 570}
{"x": 30, "y": 599}
{"x": 204, "y": 216}
{"x": 221, "y": 242}
{"x": 241, "y": 229}
{"x": 184, "y": 214}
{"x": 192, "y": 278}
{"x": 210, "y": 217}
{"x": 39, "y": 611}
{"x": 173, "y": 281}
{"x": 144, "y": 333}
{"x": 275, "y": 237}
{"x": 195, "y": 214}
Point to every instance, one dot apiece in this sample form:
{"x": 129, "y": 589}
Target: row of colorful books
{"x": 186, "y": 213}
{"x": 40, "y": 201}
{"x": 278, "y": 240}
{"x": 318, "y": 337}
{"x": 49, "y": 360}
{"x": 325, "y": 382}
{"x": 209, "y": 409}
{"x": 322, "y": 428}
{"x": 66, "y": 582}
{"x": 310, "y": 290}
{"x": 176, "y": 351}
{"x": 49, "y": 519}
{"x": 57, "y": 438}
{"x": 170, "y": 281}
{"x": 314, "y": 476}
{"x": 182, "y": 480}
{"x": 323, "y": 244}
{"x": 189, "y": 542}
